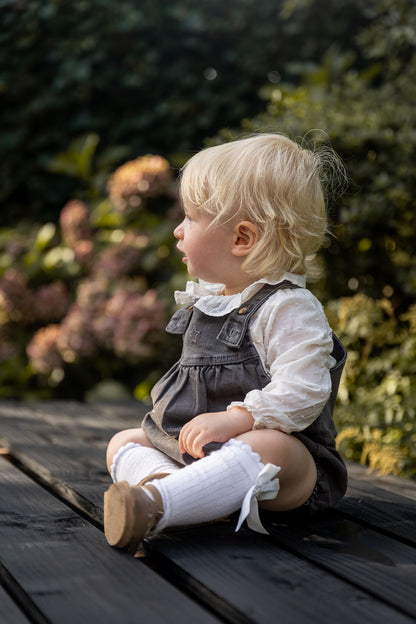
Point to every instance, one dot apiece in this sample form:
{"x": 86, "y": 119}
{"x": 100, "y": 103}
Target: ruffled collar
{"x": 208, "y": 297}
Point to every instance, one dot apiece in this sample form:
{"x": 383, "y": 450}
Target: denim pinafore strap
{"x": 219, "y": 364}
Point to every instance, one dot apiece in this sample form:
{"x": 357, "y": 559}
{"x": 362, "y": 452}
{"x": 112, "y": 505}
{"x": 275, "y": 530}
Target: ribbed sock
{"x": 133, "y": 462}
{"x": 210, "y": 488}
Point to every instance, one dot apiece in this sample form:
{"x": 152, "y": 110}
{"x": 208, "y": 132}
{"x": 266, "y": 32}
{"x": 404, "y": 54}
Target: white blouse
{"x": 294, "y": 341}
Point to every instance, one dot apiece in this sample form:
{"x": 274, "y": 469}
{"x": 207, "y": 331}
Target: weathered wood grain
{"x": 357, "y": 562}
{"x": 384, "y": 567}
{"x": 382, "y": 509}
{"x": 67, "y": 569}
{"x": 10, "y": 613}
{"x": 56, "y": 456}
{"x": 370, "y": 478}
{"x": 264, "y": 580}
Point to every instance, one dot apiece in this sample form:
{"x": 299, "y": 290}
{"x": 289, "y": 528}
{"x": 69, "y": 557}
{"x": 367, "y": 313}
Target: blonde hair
{"x": 273, "y": 182}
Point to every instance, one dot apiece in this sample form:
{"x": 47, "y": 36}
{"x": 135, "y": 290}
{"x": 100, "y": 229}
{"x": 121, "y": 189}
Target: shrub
{"x": 367, "y": 112}
{"x": 144, "y": 76}
{"x": 86, "y": 300}
{"x": 376, "y": 411}
{"x": 365, "y": 108}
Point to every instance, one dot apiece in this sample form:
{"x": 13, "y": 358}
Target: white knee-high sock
{"x": 215, "y": 486}
{"x": 133, "y": 462}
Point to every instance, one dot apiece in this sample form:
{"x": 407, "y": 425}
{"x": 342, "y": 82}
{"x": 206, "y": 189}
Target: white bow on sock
{"x": 266, "y": 487}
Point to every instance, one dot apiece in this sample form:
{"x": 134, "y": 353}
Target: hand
{"x": 213, "y": 427}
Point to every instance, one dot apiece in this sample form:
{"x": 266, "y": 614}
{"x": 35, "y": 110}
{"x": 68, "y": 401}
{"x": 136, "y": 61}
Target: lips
{"x": 184, "y": 259}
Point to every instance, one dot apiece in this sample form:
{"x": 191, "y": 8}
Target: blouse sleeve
{"x": 294, "y": 340}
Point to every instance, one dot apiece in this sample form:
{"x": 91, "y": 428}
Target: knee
{"x": 272, "y": 445}
{"x": 124, "y": 437}
{"x": 298, "y": 472}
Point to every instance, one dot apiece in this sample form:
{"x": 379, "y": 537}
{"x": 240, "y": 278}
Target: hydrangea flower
{"x": 51, "y": 302}
{"x": 122, "y": 258}
{"x": 74, "y": 220}
{"x": 16, "y": 298}
{"x": 148, "y": 176}
{"x": 43, "y": 352}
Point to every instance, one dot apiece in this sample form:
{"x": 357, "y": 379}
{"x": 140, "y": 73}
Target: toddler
{"x": 253, "y": 393}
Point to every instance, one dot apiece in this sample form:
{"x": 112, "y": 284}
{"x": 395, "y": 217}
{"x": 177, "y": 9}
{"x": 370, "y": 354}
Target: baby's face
{"x": 207, "y": 249}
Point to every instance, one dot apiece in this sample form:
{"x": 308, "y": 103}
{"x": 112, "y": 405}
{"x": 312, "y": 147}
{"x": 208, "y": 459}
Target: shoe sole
{"x": 118, "y": 515}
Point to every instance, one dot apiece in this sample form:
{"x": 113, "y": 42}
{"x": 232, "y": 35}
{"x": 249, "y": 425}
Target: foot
{"x": 130, "y": 513}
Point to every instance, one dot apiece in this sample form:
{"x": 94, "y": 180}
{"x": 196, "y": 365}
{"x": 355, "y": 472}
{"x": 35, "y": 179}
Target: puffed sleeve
{"x": 294, "y": 341}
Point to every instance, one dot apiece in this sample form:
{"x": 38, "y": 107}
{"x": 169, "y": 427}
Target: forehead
{"x": 195, "y": 185}
{"x": 187, "y": 206}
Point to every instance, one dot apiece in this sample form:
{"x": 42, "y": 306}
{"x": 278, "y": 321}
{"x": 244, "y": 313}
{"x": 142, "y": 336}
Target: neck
{"x": 234, "y": 289}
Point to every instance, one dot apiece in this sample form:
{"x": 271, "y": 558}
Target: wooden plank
{"x": 68, "y": 571}
{"x": 383, "y": 566}
{"x": 368, "y": 499}
{"x": 48, "y": 441}
{"x": 266, "y": 582}
{"x": 392, "y": 513}
{"x": 9, "y": 611}
{"x": 382, "y": 502}
{"x": 389, "y": 483}
{"x": 65, "y": 442}
{"x": 57, "y": 457}
{"x": 336, "y": 557}
{"x": 91, "y": 426}
{"x": 92, "y": 423}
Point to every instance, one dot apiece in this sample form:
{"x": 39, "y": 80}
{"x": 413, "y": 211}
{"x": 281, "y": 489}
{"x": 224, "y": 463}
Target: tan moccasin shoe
{"x": 130, "y": 514}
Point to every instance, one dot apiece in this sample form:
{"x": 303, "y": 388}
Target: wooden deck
{"x": 355, "y": 564}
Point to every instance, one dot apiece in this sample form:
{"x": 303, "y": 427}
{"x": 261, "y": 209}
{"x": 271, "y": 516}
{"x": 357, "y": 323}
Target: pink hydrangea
{"x": 122, "y": 258}
{"x": 148, "y": 176}
{"x": 128, "y": 321}
{"x": 76, "y": 337}
{"x": 51, "y": 302}
{"x": 16, "y": 298}
{"x": 141, "y": 320}
{"x": 43, "y": 352}
{"x": 92, "y": 292}
{"x": 75, "y": 223}
{"x": 84, "y": 252}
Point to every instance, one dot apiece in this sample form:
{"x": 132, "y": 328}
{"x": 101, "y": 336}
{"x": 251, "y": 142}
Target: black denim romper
{"x": 220, "y": 364}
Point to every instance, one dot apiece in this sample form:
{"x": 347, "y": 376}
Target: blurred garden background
{"x": 101, "y": 104}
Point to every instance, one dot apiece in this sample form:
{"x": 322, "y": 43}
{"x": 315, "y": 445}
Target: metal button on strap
{"x": 242, "y": 310}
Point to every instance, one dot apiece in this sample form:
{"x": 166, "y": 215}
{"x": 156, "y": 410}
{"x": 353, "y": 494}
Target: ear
{"x": 246, "y": 236}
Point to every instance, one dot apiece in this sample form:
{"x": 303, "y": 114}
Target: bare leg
{"x": 298, "y": 473}
{"x": 121, "y": 438}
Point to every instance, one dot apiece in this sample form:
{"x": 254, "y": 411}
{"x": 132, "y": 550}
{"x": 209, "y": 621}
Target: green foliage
{"x": 364, "y": 106}
{"x": 83, "y": 303}
{"x": 149, "y": 76}
{"x": 86, "y": 86}
{"x": 376, "y": 411}
{"x": 370, "y": 118}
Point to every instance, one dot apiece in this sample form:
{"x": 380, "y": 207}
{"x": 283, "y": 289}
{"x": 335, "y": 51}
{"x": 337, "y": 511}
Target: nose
{"x": 178, "y": 231}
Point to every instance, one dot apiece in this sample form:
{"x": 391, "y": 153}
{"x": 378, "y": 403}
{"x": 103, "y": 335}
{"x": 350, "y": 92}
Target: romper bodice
{"x": 219, "y": 364}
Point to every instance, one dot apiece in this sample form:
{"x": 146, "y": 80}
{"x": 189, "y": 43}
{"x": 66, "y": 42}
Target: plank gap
{"x": 159, "y": 564}
{"x": 190, "y": 586}
{"x": 21, "y": 598}
{"x": 62, "y": 491}
{"x": 340, "y": 574}
{"x": 368, "y": 524}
